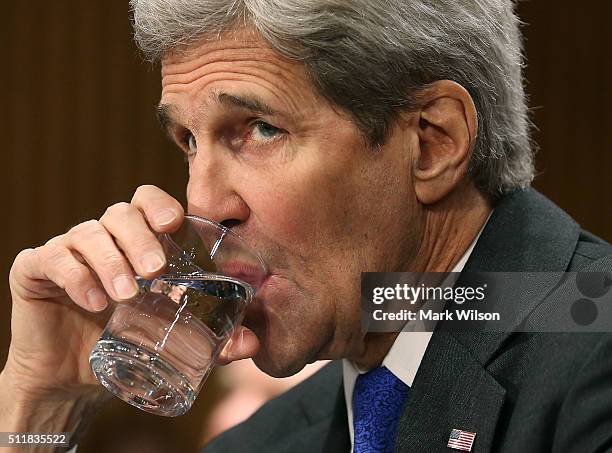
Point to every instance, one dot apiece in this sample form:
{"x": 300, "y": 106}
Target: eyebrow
{"x": 165, "y": 117}
{"x": 252, "y": 104}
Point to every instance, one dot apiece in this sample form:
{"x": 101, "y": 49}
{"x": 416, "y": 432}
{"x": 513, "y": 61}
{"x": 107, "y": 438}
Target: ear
{"x": 446, "y": 126}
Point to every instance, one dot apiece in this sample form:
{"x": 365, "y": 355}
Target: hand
{"x": 243, "y": 344}
{"x": 60, "y": 292}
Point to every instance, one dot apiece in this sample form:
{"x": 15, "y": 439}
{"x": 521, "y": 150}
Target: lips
{"x": 244, "y": 271}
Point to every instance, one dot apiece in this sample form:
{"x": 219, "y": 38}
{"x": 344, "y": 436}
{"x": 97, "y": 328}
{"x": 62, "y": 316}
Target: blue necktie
{"x": 378, "y": 399}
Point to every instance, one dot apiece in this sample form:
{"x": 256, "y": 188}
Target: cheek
{"x": 316, "y": 205}
{"x": 282, "y": 211}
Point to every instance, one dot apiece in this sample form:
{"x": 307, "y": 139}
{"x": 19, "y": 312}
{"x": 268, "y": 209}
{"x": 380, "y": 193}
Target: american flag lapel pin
{"x": 461, "y": 440}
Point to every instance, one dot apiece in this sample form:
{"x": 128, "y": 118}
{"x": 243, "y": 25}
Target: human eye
{"x": 257, "y": 136}
{"x": 192, "y": 144}
{"x": 263, "y": 132}
{"x": 188, "y": 144}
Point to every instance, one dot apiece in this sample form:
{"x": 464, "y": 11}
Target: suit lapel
{"x": 456, "y": 392}
{"x": 452, "y": 389}
{"x": 328, "y": 434}
{"x": 325, "y": 429}
{"x": 526, "y": 233}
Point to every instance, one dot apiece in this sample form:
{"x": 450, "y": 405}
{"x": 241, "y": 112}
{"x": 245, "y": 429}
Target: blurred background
{"x": 78, "y": 133}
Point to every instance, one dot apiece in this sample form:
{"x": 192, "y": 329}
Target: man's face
{"x": 265, "y": 150}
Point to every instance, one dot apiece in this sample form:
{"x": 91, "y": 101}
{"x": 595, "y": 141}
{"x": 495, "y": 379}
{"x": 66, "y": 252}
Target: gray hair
{"x": 373, "y": 57}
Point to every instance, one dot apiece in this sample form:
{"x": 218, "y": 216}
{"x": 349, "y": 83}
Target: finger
{"x": 132, "y": 234}
{"x": 243, "y": 344}
{"x": 163, "y": 212}
{"x": 56, "y": 263}
{"x": 97, "y": 247}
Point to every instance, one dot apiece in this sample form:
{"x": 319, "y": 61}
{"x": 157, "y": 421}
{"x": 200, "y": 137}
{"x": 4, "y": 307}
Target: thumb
{"x": 243, "y": 344}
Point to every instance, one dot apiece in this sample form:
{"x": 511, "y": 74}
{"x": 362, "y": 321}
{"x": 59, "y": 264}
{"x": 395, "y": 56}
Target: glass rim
{"x": 227, "y": 230}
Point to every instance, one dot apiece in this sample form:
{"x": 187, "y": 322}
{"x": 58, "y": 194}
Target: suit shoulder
{"x": 317, "y": 385}
{"x": 589, "y": 248}
{"x": 284, "y": 413}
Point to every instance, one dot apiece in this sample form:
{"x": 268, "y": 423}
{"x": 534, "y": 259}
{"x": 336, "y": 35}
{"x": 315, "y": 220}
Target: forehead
{"x": 241, "y": 64}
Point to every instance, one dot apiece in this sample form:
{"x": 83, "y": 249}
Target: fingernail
{"x": 125, "y": 286}
{"x": 153, "y": 261}
{"x": 164, "y": 217}
{"x": 96, "y": 299}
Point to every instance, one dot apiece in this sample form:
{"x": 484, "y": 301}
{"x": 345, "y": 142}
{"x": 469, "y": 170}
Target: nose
{"x": 212, "y": 192}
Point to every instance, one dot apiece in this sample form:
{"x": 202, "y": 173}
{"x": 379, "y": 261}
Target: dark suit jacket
{"x": 519, "y": 392}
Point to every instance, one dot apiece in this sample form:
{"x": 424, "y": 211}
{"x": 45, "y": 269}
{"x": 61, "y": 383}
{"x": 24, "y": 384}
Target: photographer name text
{"x": 432, "y": 315}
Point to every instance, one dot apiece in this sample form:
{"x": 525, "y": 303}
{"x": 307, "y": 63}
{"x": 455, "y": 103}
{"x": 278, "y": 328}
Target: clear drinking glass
{"x": 158, "y": 349}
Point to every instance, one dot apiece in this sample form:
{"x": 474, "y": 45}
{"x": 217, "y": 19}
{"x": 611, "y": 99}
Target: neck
{"x": 448, "y": 229}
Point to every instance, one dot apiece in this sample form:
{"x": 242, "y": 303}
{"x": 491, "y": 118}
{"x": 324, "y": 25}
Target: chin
{"x": 281, "y": 353}
{"x": 277, "y": 366}
{"x": 277, "y": 356}
{"x": 288, "y": 340}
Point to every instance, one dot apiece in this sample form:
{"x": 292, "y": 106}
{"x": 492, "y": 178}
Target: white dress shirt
{"x": 405, "y": 355}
